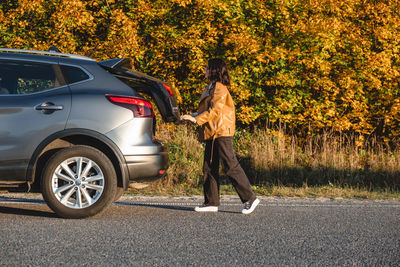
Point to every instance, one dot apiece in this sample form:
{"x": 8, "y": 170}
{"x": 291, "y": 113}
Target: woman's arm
{"x": 217, "y": 104}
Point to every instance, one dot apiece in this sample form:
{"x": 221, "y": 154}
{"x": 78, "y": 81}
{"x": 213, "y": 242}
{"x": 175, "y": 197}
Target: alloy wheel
{"x": 77, "y": 182}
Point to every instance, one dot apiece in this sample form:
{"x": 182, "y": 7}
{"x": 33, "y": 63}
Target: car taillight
{"x": 169, "y": 89}
{"x": 139, "y": 107}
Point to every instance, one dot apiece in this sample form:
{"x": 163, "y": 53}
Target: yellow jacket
{"x": 216, "y": 112}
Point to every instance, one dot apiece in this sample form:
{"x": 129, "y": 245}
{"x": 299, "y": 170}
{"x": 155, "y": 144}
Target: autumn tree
{"x": 313, "y": 65}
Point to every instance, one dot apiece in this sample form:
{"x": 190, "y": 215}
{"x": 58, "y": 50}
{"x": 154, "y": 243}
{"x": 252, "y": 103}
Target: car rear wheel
{"x": 78, "y": 182}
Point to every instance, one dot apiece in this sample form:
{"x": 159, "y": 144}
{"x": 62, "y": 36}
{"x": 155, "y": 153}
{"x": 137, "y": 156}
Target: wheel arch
{"x": 71, "y": 137}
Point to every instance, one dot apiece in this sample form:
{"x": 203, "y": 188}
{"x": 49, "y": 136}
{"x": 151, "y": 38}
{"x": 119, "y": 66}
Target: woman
{"x": 216, "y": 117}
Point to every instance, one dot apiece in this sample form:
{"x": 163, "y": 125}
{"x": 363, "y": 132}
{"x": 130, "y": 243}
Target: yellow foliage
{"x": 314, "y": 65}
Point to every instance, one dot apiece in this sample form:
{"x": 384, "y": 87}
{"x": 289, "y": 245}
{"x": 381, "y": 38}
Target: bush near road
{"x": 327, "y": 71}
{"x": 277, "y": 165}
{"x": 317, "y": 65}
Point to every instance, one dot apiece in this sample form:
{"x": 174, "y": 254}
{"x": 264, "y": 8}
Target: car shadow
{"x": 23, "y": 200}
{"x": 24, "y": 211}
{"x": 37, "y": 212}
{"x": 27, "y": 212}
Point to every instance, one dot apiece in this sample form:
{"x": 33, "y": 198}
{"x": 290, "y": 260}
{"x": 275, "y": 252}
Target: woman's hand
{"x": 188, "y": 118}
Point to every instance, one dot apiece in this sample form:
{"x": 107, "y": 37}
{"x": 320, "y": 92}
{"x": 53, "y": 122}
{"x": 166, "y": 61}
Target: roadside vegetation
{"x": 317, "y": 65}
{"x": 315, "y": 83}
{"x": 278, "y": 164}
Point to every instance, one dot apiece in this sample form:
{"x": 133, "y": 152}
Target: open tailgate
{"x": 162, "y": 93}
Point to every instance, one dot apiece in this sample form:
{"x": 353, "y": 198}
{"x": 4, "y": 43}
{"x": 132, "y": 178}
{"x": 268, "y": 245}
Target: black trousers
{"x": 222, "y": 150}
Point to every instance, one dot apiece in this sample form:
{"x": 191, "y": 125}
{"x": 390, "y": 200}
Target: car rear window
{"x": 73, "y": 74}
{"x": 25, "y": 77}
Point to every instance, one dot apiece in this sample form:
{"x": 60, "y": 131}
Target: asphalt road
{"x": 156, "y": 231}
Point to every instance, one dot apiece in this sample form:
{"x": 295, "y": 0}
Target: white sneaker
{"x": 205, "y": 208}
{"x": 249, "y": 207}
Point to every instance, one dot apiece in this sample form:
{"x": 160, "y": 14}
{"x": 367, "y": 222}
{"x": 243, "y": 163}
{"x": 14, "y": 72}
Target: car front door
{"x": 34, "y": 103}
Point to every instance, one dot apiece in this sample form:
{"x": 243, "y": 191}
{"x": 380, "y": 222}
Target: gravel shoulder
{"x": 37, "y": 198}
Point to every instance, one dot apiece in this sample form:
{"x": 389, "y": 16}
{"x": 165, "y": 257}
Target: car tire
{"x": 78, "y": 182}
{"x": 118, "y": 194}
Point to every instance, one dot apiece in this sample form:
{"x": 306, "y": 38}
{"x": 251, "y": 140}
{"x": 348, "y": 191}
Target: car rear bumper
{"x": 146, "y": 168}
{"x": 145, "y": 157}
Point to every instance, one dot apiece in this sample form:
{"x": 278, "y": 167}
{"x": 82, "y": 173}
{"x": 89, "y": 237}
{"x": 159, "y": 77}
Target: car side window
{"x": 73, "y": 74}
{"x": 25, "y": 77}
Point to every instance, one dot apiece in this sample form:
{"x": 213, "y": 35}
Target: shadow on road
{"x": 160, "y": 206}
{"x": 27, "y": 212}
{"x": 166, "y": 206}
{"x": 42, "y": 213}
{"x": 19, "y": 200}
{"x": 23, "y": 211}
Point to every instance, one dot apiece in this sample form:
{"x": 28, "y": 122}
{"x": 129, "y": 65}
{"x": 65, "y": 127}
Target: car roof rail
{"x": 45, "y": 53}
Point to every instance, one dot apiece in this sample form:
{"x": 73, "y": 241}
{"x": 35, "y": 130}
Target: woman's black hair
{"x": 218, "y": 71}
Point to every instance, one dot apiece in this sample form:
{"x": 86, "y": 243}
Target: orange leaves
{"x": 72, "y": 14}
{"x": 382, "y": 63}
{"x": 313, "y": 64}
{"x": 122, "y": 38}
{"x": 182, "y": 3}
{"x": 246, "y": 114}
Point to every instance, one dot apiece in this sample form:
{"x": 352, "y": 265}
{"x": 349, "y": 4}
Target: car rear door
{"x": 162, "y": 93}
{"x": 34, "y": 104}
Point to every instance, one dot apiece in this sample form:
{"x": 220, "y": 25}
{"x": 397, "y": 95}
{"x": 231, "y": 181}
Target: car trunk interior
{"x": 144, "y": 84}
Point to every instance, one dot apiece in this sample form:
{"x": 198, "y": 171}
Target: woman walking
{"x": 216, "y": 117}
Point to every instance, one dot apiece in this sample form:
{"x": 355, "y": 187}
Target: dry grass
{"x": 275, "y": 158}
{"x": 281, "y": 165}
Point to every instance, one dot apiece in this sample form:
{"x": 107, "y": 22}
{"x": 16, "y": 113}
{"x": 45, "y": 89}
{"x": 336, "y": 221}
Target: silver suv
{"x": 77, "y": 129}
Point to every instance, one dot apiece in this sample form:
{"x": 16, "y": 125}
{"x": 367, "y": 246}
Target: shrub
{"x": 313, "y": 65}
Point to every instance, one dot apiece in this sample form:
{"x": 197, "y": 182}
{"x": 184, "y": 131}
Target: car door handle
{"x": 48, "y": 107}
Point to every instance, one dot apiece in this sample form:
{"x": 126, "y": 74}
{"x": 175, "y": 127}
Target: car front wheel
{"x": 78, "y": 182}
